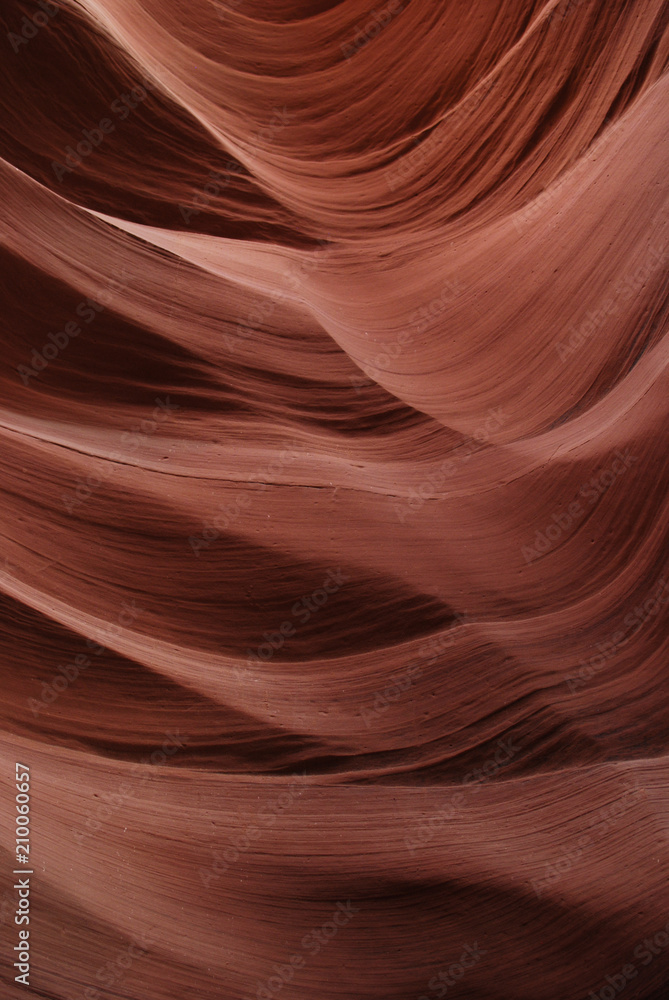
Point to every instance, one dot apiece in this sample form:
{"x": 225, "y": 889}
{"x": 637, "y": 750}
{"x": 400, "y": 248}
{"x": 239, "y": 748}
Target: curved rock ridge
{"x": 334, "y": 487}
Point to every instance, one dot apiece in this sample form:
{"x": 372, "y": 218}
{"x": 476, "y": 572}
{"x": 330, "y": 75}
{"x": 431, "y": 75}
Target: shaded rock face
{"x": 333, "y": 477}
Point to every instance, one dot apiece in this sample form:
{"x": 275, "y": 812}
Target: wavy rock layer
{"x": 334, "y": 489}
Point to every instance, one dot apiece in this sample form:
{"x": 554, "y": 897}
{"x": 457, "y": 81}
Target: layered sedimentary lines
{"x": 333, "y": 472}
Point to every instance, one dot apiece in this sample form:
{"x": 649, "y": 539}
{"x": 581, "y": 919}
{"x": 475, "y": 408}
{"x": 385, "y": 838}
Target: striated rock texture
{"x": 333, "y": 478}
